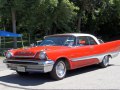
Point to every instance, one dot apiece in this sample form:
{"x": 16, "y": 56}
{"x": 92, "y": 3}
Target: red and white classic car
{"x": 61, "y": 52}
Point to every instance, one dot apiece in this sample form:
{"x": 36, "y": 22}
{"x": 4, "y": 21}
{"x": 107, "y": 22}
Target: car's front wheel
{"x": 59, "y": 70}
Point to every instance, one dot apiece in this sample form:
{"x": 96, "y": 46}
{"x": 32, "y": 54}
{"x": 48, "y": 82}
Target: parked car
{"x": 37, "y": 43}
{"x": 61, "y": 52}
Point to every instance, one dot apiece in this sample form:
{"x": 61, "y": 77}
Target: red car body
{"x": 61, "y": 57}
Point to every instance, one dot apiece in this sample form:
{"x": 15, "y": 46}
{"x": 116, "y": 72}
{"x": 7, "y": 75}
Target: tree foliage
{"x": 44, "y": 17}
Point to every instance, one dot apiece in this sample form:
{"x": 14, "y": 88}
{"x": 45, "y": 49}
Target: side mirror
{"x": 38, "y": 42}
{"x": 32, "y": 45}
{"x": 82, "y": 42}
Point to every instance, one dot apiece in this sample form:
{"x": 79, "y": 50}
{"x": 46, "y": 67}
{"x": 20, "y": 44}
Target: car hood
{"x": 32, "y": 51}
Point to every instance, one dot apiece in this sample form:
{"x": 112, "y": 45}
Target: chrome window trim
{"x": 76, "y": 35}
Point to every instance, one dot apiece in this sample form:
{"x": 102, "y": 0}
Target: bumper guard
{"x": 43, "y": 66}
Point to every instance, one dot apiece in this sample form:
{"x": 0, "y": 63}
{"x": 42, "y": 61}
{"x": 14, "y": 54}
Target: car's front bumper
{"x": 30, "y": 65}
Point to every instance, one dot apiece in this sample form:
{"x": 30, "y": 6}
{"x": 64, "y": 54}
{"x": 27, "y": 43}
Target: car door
{"x": 93, "y": 46}
{"x": 84, "y": 51}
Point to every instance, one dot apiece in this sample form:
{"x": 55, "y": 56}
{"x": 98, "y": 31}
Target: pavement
{"x": 2, "y": 66}
{"x": 91, "y": 77}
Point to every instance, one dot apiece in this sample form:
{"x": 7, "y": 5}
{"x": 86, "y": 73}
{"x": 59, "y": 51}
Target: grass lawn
{"x": 9, "y": 45}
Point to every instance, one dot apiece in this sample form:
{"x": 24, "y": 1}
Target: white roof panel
{"x": 74, "y": 34}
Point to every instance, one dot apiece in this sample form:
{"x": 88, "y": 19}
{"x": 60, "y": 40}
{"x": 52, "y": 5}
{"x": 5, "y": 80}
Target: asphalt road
{"x": 91, "y": 77}
{"x": 2, "y": 66}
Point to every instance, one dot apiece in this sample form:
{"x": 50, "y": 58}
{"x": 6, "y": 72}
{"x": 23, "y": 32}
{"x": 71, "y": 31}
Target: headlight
{"x": 9, "y": 55}
{"x": 42, "y": 55}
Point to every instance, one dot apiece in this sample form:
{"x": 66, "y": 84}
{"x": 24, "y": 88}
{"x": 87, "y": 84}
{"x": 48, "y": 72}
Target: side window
{"x": 92, "y": 41}
{"x": 82, "y": 41}
{"x": 70, "y": 41}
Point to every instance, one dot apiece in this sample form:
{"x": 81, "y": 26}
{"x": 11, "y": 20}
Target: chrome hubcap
{"x": 61, "y": 69}
{"x": 106, "y": 61}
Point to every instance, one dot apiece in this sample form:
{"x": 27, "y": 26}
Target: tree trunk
{"x": 14, "y": 26}
{"x": 79, "y": 24}
{"x": 4, "y": 37}
{"x": 29, "y": 39}
{"x": 0, "y": 43}
{"x": 54, "y": 29}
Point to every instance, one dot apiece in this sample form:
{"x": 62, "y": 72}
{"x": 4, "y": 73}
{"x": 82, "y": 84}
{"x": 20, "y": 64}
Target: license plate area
{"x": 20, "y": 69}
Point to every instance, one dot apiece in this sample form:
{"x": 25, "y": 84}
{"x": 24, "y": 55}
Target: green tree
{"x": 49, "y": 16}
{"x": 109, "y": 20}
{"x": 9, "y": 8}
{"x": 87, "y": 10}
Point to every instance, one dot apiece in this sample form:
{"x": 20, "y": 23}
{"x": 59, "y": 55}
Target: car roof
{"x": 71, "y": 34}
{"x": 74, "y": 34}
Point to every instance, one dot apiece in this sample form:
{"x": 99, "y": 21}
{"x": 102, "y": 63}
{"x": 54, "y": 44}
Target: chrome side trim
{"x": 114, "y": 54}
{"x": 87, "y": 57}
{"x": 97, "y": 56}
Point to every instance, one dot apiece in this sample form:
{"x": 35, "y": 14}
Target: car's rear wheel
{"x": 22, "y": 73}
{"x": 105, "y": 62}
{"x": 59, "y": 70}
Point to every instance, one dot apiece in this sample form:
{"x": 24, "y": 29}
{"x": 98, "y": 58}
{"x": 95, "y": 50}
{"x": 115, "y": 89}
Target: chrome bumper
{"x": 30, "y": 65}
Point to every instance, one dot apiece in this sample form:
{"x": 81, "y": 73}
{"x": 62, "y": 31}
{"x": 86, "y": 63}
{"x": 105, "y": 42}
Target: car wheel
{"x": 105, "y": 62}
{"x": 59, "y": 70}
{"x": 22, "y": 73}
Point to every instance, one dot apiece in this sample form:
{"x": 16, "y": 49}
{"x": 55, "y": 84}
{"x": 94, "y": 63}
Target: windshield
{"x": 58, "y": 41}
